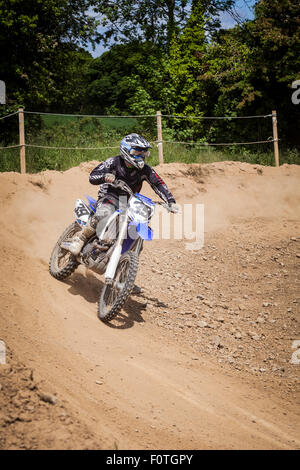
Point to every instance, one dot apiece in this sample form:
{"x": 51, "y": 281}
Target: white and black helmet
{"x": 134, "y": 149}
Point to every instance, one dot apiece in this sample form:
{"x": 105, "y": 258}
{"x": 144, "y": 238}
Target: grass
{"x": 64, "y": 131}
{"x": 54, "y": 121}
{"x": 199, "y": 154}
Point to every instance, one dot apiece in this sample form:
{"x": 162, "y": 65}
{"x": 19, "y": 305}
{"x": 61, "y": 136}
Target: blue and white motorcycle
{"x": 118, "y": 260}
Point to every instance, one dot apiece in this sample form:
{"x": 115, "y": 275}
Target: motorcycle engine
{"x": 94, "y": 257}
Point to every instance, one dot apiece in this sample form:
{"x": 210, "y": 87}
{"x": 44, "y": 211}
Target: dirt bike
{"x": 117, "y": 260}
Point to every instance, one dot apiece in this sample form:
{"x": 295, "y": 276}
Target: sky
{"x": 242, "y": 7}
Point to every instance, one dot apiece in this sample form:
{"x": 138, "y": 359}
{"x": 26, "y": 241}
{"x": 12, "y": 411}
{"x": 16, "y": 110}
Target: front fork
{"x": 115, "y": 257}
{"x": 139, "y": 246}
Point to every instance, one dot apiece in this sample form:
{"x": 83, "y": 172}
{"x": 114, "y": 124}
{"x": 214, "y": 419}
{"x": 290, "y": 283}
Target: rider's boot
{"x": 79, "y": 240}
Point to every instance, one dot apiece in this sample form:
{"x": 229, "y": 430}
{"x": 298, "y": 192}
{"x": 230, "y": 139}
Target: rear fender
{"x": 92, "y": 203}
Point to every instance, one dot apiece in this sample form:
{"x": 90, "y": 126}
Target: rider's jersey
{"x": 133, "y": 177}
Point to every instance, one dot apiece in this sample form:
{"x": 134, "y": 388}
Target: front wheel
{"x": 113, "y": 296}
{"x": 62, "y": 263}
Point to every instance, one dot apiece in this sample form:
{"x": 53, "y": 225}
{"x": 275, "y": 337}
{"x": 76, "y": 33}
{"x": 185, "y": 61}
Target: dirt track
{"x": 201, "y": 360}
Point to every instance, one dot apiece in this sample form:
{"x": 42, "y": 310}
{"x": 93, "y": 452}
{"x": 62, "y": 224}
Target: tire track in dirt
{"x": 137, "y": 384}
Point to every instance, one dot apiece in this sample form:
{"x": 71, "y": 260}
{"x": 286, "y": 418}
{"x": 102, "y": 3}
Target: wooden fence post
{"x": 159, "y": 138}
{"x": 22, "y": 140}
{"x": 275, "y": 137}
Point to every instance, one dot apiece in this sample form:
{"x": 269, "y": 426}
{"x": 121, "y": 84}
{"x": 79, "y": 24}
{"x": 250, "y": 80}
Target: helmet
{"x": 134, "y": 149}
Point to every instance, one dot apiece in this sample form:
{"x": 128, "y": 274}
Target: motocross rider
{"x": 130, "y": 167}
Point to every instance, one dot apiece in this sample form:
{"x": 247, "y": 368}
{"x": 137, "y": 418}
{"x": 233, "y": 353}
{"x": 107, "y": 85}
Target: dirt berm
{"x": 205, "y": 358}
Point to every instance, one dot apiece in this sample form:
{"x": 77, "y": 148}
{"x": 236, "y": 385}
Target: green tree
{"x": 274, "y": 39}
{"x": 246, "y": 70}
{"x": 184, "y": 67}
{"x": 249, "y": 70}
{"x": 154, "y": 21}
{"x": 38, "y": 41}
{"x": 121, "y": 76}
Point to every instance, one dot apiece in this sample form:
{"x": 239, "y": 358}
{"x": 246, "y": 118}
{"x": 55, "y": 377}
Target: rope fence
{"x": 11, "y": 147}
{"x": 201, "y": 144}
{"x": 88, "y": 115}
{"x": 145, "y": 115}
{"x": 69, "y": 148}
{"x": 22, "y": 145}
{"x": 207, "y": 144}
{"x": 216, "y": 117}
{"x": 8, "y": 115}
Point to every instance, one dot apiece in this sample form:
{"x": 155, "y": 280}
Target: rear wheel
{"x": 62, "y": 263}
{"x": 113, "y": 296}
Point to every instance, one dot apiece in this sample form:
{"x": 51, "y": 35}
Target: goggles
{"x": 136, "y": 152}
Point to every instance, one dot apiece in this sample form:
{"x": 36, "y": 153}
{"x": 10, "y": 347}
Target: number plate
{"x": 81, "y": 211}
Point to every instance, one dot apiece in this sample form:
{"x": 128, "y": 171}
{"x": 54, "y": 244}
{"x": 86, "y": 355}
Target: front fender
{"x": 144, "y": 231}
{"x": 141, "y": 230}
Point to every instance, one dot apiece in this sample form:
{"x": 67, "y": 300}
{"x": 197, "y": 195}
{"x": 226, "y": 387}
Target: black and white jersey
{"x": 133, "y": 177}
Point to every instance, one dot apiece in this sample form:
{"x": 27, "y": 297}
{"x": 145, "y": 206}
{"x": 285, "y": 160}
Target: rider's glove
{"x": 109, "y": 178}
{"x": 173, "y": 207}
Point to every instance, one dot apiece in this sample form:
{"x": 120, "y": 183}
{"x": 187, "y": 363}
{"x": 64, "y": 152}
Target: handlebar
{"x": 122, "y": 185}
{"x": 166, "y": 206}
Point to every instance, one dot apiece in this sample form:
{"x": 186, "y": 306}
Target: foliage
{"x": 168, "y": 55}
{"x": 154, "y": 21}
{"x": 274, "y": 38}
{"x": 40, "y": 53}
{"x": 184, "y": 68}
